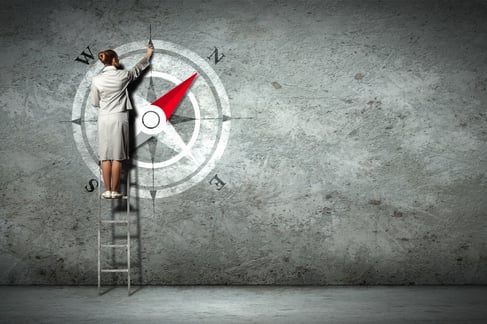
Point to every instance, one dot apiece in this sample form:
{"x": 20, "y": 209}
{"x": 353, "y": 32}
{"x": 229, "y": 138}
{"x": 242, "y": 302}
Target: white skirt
{"x": 113, "y": 136}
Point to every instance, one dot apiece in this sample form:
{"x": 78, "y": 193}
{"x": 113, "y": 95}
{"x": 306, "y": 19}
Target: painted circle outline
{"x": 215, "y": 84}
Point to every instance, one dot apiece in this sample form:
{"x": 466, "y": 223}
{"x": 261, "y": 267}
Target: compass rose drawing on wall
{"x": 182, "y": 119}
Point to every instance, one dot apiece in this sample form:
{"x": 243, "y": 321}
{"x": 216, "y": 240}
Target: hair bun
{"x": 107, "y": 56}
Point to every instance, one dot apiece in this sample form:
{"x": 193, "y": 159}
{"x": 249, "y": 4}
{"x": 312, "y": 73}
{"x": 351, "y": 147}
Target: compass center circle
{"x": 151, "y": 120}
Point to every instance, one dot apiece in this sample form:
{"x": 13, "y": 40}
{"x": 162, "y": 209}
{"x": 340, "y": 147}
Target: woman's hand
{"x": 149, "y": 52}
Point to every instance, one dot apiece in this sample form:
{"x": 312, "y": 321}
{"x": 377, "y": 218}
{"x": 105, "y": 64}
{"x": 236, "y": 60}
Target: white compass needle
{"x": 170, "y": 137}
{"x": 151, "y": 122}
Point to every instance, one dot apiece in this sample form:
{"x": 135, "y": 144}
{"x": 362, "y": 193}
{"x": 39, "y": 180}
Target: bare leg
{"x": 106, "y": 170}
{"x": 116, "y": 170}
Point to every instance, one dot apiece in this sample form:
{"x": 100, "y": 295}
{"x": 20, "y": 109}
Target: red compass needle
{"x": 170, "y": 101}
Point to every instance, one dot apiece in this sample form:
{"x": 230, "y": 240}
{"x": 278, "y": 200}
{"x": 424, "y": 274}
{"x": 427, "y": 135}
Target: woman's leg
{"x": 116, "y": 170}
{"x": 106, "y": 170}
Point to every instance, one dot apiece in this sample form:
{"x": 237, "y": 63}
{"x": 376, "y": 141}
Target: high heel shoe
{"x": 116, "y": 195}
{"x": 107, "y": 194}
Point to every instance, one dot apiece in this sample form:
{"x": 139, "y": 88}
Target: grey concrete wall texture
{"x": 356, "y": 153}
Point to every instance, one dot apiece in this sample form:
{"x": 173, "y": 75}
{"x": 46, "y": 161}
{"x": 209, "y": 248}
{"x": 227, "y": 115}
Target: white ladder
{"x": 113, "y": 221}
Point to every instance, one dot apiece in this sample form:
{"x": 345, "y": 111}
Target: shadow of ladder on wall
{"x": 109, "y": 222}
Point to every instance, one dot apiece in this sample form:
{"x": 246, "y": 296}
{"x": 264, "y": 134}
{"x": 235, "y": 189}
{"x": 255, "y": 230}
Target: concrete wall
{"x": 356, "y": 152}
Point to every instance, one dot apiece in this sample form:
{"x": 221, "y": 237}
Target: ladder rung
{"x": 114, "y": 270}
{"x": 115, "y": 221}
{"x": 114, "y": 245}
{"x": 108, "y": 199}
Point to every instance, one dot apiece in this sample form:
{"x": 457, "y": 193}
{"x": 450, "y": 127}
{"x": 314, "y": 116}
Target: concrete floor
{"x": 217, "y": 304}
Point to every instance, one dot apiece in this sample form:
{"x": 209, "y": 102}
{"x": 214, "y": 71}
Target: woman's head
{"x": 109, "y": 57}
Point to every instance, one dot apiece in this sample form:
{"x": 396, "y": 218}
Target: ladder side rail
{"x": 99, "y": 227}
{"x": 127, "y": 188}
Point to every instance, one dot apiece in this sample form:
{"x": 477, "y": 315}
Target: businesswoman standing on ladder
{"x": 109, "y": 93}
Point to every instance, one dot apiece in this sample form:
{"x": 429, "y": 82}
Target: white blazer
{"x": 109, "y": 87}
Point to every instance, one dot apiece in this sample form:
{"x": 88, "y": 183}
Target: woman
{"x": 109, "y": 94}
